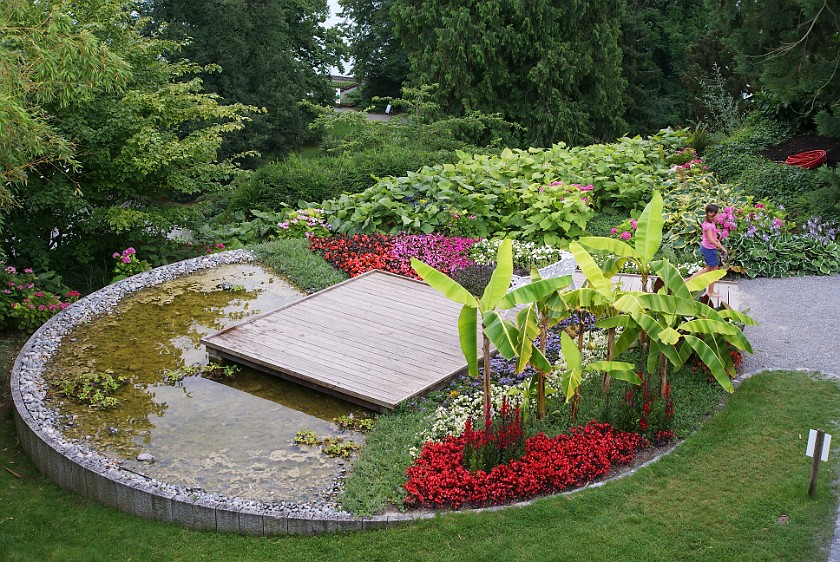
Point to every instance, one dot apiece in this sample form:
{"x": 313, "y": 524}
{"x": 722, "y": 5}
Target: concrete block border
{"x": 75, "y": 467}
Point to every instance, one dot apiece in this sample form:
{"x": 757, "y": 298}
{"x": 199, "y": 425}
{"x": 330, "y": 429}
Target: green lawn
{"x": 717, "y": 497}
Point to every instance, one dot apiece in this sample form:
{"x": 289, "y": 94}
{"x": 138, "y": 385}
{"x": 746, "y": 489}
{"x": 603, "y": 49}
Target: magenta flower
{"x": 115, "y": 255}
{"x": 126, "y": 259}
{"x": 626, "y": 235}
{"x": 28, "y": 270}
{"x": 759, "y": 205}
{"x": 613, "y": 230}
{"x": 11, "y": 269}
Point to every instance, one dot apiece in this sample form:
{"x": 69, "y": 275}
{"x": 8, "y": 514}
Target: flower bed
{"x": 438, "y": 478}
{"x": 359, "y": 253}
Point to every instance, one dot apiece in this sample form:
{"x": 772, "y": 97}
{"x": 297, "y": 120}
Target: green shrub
{"x": 313, "y": 179}
{"x": 542, "y": 195}
{"x": 292, "y": 259}
{"x": 784, "y": 255}
{"x": 737, "y": 160}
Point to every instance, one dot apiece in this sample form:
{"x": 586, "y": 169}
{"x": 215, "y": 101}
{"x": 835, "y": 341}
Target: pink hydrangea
{"x": 626, "y": 235}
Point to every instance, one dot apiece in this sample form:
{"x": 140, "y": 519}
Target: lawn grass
{"x": 716, "y": 497}
{"x": 292, "y": 259}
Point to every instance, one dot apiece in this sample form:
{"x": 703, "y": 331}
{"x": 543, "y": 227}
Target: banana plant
{"x": 544, "y": 308}
{"x": 473, "y": 309}
{"x": 647, "y": 240}
{"x": 598, "y": 295}
{"x": 575, "y": 370}
{"x": 678, "y": 326}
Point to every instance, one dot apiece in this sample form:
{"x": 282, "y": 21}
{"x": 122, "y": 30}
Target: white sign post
{"x": 819, "y": 443}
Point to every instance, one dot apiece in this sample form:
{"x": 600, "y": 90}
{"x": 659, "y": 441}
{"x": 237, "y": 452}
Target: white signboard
{"x": 812, "y": 441}
{"x": 388, "y": 109}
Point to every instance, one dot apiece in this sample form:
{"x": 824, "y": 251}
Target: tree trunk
{"x": 581, "y": 329}
{"x": 605, "y": 386}
{"x": 663, "y": 374}
{"x": 540, "y": 374}
{"x": 487, "y": 395}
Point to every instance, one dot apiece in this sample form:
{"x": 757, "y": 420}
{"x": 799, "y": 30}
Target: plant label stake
{"x": 819, "y": 443}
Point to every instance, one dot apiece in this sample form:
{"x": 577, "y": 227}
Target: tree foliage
{"x": 139, "y": 147}
{"x": 553, "y": 67}
{"x": 46, "y": 59}
{"x": 380, "y": 63}
{"x": 272, "y": 54}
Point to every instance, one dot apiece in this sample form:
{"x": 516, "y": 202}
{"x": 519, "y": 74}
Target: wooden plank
{"x": 376, "y": 339}
{"x": 372, "y": 337}
{"x": 397, "y": 359}
{"x": 321, "y": 368}
{"x": 439, "y": 340}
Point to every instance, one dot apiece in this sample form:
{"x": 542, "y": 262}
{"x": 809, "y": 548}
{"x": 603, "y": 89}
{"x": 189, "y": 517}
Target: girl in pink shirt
{"x": 709, "y": 247}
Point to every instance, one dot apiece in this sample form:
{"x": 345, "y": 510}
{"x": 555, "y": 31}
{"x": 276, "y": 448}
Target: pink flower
{"x": 626, "y": 235}
{"x": 126, "y": 259}
{"x": 556, "y": 183}
{"x": 42, "y": 307}
{"x": 585, "y": 199}
{"x": 39, "y": 294}
{"x": 11, "y": 269}
{"x": 759, "y": 205}
{"x": 11, "y": 283}
{"x": 115, "y": 255}
{"x": 28, "y": 270}
{"x": 613, "y": 230}
{"x": 220, "y": 246}
{"x": 472, "y": 217}
{"x": 129, "y": 251}
{"x": 777, "y": 223}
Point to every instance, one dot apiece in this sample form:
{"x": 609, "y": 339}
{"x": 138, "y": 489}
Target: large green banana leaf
{"x": 611, "y": 245}
{"x": 590, "y": 269}
{"x": 468, "y": 335}
{"x": 672, "y": 279}
{"x": 500, "y": 279}
{"x": 711, "y": 360}
{"x": 649, "y": 229}
{"x": 702, "y": 281}
{"x": 443, "y": 284}
{"x": 534, "y": 292}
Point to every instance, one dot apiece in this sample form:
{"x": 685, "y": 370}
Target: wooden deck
{"x": 376, "y": 340}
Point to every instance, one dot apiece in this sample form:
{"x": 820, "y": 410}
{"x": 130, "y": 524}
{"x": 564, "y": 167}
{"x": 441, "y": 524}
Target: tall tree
{"x": 655, "y": 36}
{"x": 553, "y": 67}
{"x": 380, "y": 62}
{"x": 791, "y": 50}
{"x": 138, "y": 148}
{"x": 272, "y": 54}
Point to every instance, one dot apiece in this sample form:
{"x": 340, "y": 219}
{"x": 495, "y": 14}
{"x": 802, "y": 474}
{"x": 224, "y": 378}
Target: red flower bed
{"x": 359, "y": 253}
{"x": 438, "y": 477}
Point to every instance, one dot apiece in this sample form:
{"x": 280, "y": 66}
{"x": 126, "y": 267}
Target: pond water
{"x": 232, "y": 437}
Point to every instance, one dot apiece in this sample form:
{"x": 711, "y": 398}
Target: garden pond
{"x": 233, "y": 437}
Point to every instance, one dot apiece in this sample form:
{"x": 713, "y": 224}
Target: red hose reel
{"x": 808, "y": 160}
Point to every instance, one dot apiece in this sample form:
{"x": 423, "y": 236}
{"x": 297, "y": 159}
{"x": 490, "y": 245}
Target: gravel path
{"x": 795, "y": 331}
{"x": 795, "y": 317}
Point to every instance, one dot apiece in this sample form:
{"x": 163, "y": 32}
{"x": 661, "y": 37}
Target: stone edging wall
{"x": 87, "y": 473}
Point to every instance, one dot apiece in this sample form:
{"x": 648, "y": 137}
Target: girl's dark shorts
{"x": 711, "y": 257}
